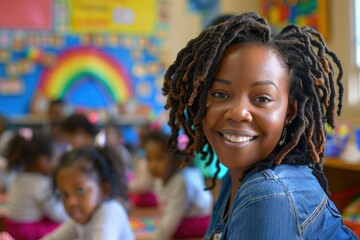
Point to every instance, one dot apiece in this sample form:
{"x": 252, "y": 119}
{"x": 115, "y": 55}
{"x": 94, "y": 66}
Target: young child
{"x": 260, "y": 100}
{"x": 78, "y": 131}
{"x": 5, "y": 135}
{"x": 31, "y": 210}
{"x": 87, "y": 180}
{"x": 142, "y": 183}
{"x": 55, "y": 116}
{"x": 184, "y": 204}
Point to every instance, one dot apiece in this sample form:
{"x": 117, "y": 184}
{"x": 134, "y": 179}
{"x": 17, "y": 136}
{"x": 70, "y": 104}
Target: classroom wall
{"x": 185, "y": 26}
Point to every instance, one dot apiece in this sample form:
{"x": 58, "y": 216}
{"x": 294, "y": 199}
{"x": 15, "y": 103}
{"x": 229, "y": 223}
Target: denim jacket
{"x": 284, "y": 202}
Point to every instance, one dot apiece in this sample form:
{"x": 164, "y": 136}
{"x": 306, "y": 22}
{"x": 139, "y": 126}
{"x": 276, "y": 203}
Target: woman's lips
{"x": 237, "y": 139}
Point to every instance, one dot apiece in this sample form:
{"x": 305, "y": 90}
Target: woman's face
{"x": 80, "y": 193}
{"x": 247, "y": 105}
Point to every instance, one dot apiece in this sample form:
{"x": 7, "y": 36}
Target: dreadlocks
{"x": 312, "y": 71}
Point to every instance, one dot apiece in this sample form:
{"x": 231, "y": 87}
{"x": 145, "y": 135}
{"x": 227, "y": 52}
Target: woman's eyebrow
{"x": 266, "y": 82}
{"x": 227, "y": 82}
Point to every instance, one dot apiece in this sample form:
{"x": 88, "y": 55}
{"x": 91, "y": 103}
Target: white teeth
{"x": 241, "y": 139}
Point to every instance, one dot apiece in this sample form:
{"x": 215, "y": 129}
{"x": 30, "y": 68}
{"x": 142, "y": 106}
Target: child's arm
{"x": 54, "y": 209}
{"x": 142, "y": 182}
{"x": 51, "y": 207}
{"x": 173, "y": 211}
{"x": 66, "y": 230}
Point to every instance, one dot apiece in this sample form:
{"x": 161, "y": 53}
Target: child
{"x": 55, "y": 116}
{"x": 31, "y": 209}
{"x": 184, "y": 204}
{"x": 260, "y": 100}
{"x": 5, "y": 135}
{"x": 142, "y": 183}
{"x": 78, "y": 130}
{"x": 87, "y": 180}
{"x": 111, "y": 134}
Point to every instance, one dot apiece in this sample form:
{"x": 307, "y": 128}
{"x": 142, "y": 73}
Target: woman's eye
{"x": 220, "y": 95}
{"x": 80, "y": 191}
{"x": 263, "y": 99}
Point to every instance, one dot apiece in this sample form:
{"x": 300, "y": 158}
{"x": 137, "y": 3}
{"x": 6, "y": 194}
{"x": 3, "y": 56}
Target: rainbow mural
{"x": 75, "y": 64}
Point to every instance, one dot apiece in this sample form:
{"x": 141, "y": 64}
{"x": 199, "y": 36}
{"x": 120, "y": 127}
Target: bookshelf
{"x": 341, "y": 175}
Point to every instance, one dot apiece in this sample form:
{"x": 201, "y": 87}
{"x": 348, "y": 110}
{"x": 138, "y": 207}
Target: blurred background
{"x": 108, "y": 58}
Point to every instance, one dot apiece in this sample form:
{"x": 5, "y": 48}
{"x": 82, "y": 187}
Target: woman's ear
{"x": 291, "y": 111}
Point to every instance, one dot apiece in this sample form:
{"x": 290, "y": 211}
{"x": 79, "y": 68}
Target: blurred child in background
{"x": 31, "y": 209}
{"x": 5, "y": 135}
{"x": 111, "y": 135}
{"x": 78, "y": 130}
{"x": 185, "y": 206}
{"x": 87, "y": 180}
{"x": 55, "y": 116}
{"x": 141, "y": 185}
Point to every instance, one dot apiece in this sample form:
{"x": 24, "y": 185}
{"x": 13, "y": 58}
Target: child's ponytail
{"x": 15, "y": 152}
{"x": 25, "y": 146}
{"x": 114, "y": 171}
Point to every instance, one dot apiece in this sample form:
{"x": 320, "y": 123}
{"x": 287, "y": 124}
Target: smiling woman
{"x": 261, "y": 100}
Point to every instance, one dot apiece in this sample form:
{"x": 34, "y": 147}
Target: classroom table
{"x": 144, "y": 221}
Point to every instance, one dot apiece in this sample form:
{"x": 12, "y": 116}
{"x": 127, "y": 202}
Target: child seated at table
{"x": 185, "y": 206}
{"x": 31, "y": 210}
{"x": 141, "y": 184}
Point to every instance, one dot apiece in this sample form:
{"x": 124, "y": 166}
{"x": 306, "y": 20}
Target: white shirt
{"x": 30, "y": 198}
{"x": 110, "y": 222}
{"x": 183, "y": 196}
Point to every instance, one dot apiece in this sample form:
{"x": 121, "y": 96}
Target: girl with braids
{"x": 31, "y": 210}
{"x": 88, "y": 182}
{"x": 260, "y": 101}
{"x": 185, "y": 207}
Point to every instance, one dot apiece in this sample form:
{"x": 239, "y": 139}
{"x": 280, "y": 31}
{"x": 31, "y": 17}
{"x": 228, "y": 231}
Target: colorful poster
{"x": 130, "y": 16}
{"x": 313, "y": 13}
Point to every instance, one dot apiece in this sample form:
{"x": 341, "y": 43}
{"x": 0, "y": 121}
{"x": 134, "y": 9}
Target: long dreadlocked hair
{"x": 310, "y": 65}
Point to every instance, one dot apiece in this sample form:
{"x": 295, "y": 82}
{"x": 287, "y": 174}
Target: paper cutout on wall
{"x": 75, "y": 64}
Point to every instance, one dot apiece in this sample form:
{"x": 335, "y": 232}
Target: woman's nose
{"x": 239, "y": 112}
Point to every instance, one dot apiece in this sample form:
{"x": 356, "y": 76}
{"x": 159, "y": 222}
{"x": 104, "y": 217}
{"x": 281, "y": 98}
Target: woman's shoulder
{"x": 284, "y": 180}
{"x": 279, "y": 173}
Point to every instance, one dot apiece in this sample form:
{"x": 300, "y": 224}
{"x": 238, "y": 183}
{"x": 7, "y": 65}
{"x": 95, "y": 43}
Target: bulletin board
{"x": 313, "y": 13}
{"x": 77, "y": 53}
